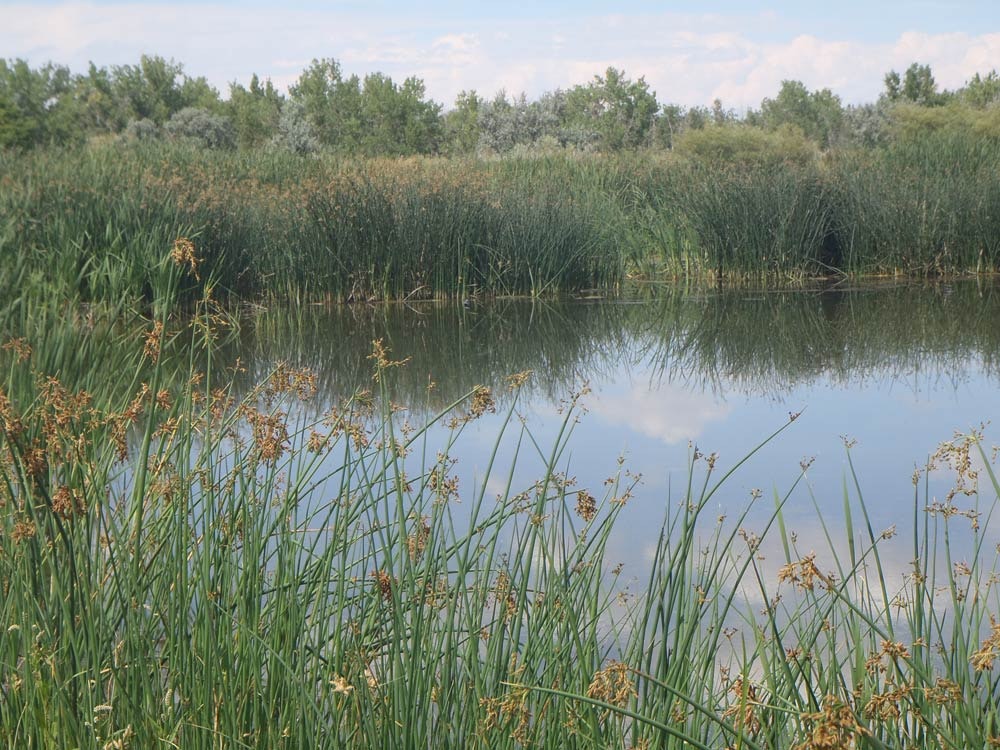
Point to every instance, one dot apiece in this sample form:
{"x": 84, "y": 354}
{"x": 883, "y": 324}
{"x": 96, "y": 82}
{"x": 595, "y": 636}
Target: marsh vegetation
{"x": 213, "y": 536}
{"x": 194, "y": 554}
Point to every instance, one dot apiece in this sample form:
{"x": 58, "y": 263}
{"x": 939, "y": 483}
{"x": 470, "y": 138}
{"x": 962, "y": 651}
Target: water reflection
{"x": 898, "y": 368}
{"x": 755, "y": 342}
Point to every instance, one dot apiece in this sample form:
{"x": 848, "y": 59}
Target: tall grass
{"x": 96, "y": 221}
{"x": 185, "y": 566}
{"x": 762, "y": 221}
{"x": 924, "y": 206}
{"x": 93, "y": 221}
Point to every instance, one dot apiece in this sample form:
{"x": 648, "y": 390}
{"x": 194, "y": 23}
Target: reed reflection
{"x": 753, "y": 342}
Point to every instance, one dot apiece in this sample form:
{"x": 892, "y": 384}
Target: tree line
{"x": 327, "y": 110}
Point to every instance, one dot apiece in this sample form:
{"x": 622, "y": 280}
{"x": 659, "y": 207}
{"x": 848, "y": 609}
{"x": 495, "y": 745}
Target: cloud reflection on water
{"x": 671, "y": 414}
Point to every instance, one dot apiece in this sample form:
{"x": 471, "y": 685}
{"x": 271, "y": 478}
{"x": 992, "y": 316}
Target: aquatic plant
{"x": 274, "y": 224}
{"x": 187, "y": 564}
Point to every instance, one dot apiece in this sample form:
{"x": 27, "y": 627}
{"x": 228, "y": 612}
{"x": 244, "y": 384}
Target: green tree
{"x": 36, "y": 106}
{"x": 198, "y": 93}
{"x": 330, "y": 103}
{"x": 98, "y": 111}
{"x": 917, "y": 86}
{"x": 201, "y": 127}
{"x": 505, "y": 124}
{"x": 818, "y": 114}
{"x": 721, "y": 115}
{"x": 295, "y": 133}
{"x": 621, "y": 111}
{"x": 461, "y": 124}
{"x": 981, "y": 91}
{"x": 867, "y": 125}
{"x": 157, "y": 88}
{"x": 397, "y": 120}
{"x": 667, "y": 126}
{"x": 254, "y": 112}
{"x": 737, "y": 143}
{"x": 697, "y": 118}
{"x": 14, "y": 129}
{"x": 376, "y": 117}
{"x": 149, "y": 90}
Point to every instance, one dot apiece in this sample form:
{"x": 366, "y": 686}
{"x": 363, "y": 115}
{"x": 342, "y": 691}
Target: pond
{"x": 892, "y": 370}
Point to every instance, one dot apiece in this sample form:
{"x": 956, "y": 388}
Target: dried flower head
{"x": 416, "y": 542}
{"x": 341, "y": 685}
{"x": 380, "y": 356}
{"x": 743, "y": 710}
{"x": 804, "y": 573}
{"x": 163, "y": 399}
{"x": 503, "y": 593}
{"x": 19, "y": 347}
{"x": 22, "y": 530}
{"x": 270, "y": 433}
{"x": 286, "y": 379}
{"x": 67, "y": 503}
{"x": 384, "y": 583}
{"x": 154, "y": 342}
{"x": 182, "y": 254}
{"x": 586, "y": 506}
{"x": 36, "y": 462}
{"x": 518, "y": 379}
{"x": 982, "y": 660}
{"x": 511, "y": 711}
{"x": 943, "y": 692}
{"x": 887, "y": 706}
{"x": 317, "y": 442}
{"x": 482, "y": 402}
{"x": 834, "y": 728}
{"x": 10, "y": 420}
{"x": 613, "y": 685}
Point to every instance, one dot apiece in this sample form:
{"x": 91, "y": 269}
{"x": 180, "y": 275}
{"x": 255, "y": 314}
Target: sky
{"x": 689, "y": 52}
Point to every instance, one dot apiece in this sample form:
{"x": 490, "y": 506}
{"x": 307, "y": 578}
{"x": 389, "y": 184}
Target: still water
{"x": 893, "y": 369}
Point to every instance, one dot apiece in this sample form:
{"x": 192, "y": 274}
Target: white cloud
{"x": 457, "y": 42}
{"x": 688, "y": 59}
{"x": 669, "y": 414}
{"x": 297, "y": 65}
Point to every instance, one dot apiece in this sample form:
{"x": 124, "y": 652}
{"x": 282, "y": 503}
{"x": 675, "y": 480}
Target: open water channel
{"x": 893, "y": 369}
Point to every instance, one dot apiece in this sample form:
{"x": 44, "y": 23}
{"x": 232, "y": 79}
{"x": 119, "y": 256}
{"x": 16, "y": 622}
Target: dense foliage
{"x": 374, "y": 115}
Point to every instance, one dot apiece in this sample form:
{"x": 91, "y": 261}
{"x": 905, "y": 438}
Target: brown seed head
{"x": 384, "y": 583}
{"x": 482, "y": 402}
{"x": 20, "y": 348}
{"x": 182, "y": 254}
{"x": 154, "y": 341}
{"x": 518, "y": 379}
{"x": 613, "y": 685}
{"x": 586, "y": 506}
{"x": 22, "y": 530}
{"x": 67, "y": 503}
{"x": 834, "y": 728}
{"x": 982, "y": 660}
{"x": 10, "y": 420}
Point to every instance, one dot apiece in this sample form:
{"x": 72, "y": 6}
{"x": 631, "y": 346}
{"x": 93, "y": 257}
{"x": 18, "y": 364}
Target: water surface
{"x": 893, "y": 369}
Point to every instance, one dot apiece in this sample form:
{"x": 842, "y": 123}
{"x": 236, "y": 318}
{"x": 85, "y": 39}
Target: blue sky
{"x": 689, "y": 52}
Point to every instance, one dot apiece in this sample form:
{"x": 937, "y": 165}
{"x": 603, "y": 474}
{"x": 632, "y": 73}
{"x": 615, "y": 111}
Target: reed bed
{"x": 769, "y": 221}
{"x": 93, "y": 221}
{"x": 187, "y": 565}
{"x": 925, "y": 206}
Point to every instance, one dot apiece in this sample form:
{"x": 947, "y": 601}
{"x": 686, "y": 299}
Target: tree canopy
{"x": 327, "y": 109}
